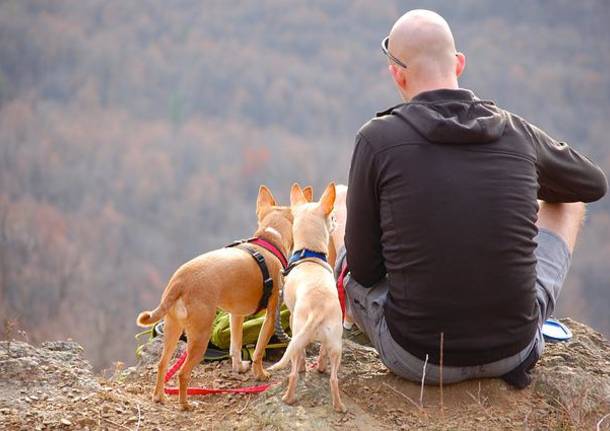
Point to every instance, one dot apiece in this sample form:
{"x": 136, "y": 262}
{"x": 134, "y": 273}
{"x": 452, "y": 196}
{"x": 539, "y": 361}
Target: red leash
{"x": 341, "y": 286}
{"x": 208, "y": 391}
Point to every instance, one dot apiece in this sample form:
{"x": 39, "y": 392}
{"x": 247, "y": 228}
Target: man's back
{"x": 442, "y": 197}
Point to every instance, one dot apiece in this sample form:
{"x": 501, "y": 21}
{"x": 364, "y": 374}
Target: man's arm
{"x": 565, "y": 175}
{"x": 363, "y": 230}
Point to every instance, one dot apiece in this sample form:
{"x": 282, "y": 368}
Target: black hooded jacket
{"x": 442, "y": 198}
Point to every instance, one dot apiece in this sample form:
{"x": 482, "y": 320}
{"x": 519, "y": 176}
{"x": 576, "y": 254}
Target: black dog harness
{"x": 260, "y": 261}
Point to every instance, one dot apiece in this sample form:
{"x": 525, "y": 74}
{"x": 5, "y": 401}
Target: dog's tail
{"x": 148, "y": 318}
{"x": 298, "y": 342}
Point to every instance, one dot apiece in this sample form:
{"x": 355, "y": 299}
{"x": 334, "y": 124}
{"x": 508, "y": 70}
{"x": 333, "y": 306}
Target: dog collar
{"x": 305, "y": 253}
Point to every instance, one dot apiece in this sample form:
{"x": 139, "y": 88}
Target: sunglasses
{"x": 384, "y": 47}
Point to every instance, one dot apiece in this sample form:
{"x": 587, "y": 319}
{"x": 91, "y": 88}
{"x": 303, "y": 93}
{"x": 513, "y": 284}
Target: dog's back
{"x": 202, "y": 281}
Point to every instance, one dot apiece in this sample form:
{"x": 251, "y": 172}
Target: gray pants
{"x": 367, "y": 304}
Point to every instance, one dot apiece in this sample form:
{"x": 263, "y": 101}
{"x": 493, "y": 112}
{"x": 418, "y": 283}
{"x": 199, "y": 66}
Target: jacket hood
{"x": 453, "y": 117}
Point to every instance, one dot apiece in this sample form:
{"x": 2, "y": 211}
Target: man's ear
{"x": 399, "y": 78}
{"x": 327, "y": 201}
{"x": 296, "y": 196}
{"x": 265, "y": 199}
{"x": 460, "y": 64}
{"x": 308, "y": 193}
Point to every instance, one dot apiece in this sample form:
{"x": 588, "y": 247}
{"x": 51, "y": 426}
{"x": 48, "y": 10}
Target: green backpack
{"x": 220, "y": 339}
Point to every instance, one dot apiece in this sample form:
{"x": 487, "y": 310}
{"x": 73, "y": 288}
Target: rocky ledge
{"x": 53, "y": 387}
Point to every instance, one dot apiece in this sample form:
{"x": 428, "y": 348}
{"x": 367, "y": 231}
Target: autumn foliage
{"x": 134, "y": 135}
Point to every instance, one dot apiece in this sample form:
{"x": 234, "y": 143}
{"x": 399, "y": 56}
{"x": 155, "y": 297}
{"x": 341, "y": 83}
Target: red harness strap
{"x": 208, "y": 391}
{"x": 341, "y": 286}
{"x": 271, "y": 248}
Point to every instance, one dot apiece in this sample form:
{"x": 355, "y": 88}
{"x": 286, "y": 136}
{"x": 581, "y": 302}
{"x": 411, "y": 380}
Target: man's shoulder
{"x": 388, "y": 111}
{"x": 383, "y": 128}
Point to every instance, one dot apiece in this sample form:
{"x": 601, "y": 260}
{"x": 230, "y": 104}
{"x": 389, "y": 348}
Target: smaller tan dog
{"x": 310, "y": 293}
{"x": 227, "y": 278}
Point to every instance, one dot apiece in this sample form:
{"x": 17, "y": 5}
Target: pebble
{"x": 65, "y": 421}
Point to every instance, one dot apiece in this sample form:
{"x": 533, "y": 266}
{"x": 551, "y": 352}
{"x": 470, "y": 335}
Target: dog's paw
{"x": 339, "y": 407}
{"x": 185, "y": 407}
{"x": 348, "y": 325}
{"x": 158, "y": 398}
{"x": 261, "y": 374}
{"x": 290, "y": 400}
{"x": 240, "y": 366}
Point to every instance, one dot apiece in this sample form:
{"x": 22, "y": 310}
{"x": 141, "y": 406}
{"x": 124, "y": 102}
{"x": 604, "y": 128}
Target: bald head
{"x": 423, "y": 41}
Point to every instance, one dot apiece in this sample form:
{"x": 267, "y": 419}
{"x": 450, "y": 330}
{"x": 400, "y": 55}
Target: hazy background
{"x": 134, "y": 134}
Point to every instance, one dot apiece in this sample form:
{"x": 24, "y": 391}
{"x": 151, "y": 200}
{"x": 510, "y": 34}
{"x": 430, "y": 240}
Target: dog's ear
{"x": 296, "y": 195}
{"x": 327, "y": 201}
{"x": 265, "y": 199}
{"x": 308, "y": 193}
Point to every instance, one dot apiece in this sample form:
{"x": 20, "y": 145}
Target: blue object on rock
{"x": 553, "y": 331}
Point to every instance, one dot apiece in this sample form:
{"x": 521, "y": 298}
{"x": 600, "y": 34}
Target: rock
{"x": 570, "y": 390}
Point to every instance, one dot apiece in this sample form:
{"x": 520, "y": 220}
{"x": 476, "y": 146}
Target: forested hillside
{"x": 134, "y": 135}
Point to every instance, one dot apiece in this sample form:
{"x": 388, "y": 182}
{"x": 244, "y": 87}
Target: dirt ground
{"x": 51, "y": 387}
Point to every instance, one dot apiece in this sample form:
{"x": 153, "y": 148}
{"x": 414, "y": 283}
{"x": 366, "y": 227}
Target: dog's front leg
{"x": 237, "y": 323}
{"x": 263, "y": 339}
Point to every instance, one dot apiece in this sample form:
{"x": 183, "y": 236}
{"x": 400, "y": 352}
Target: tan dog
{"x": 337, "y": 235}
{"x": 228, "y": 278}
{"x": 311, "y": 295}
{"x": 332, "y": 248}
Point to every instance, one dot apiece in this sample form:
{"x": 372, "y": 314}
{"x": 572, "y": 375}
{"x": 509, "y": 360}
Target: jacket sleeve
{"x": 363, "y": 230}
{"x": 565, "y": 175}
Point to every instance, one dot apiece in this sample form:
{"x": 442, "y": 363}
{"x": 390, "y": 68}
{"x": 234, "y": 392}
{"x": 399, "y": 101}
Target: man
{"x": 444, "y": 233}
